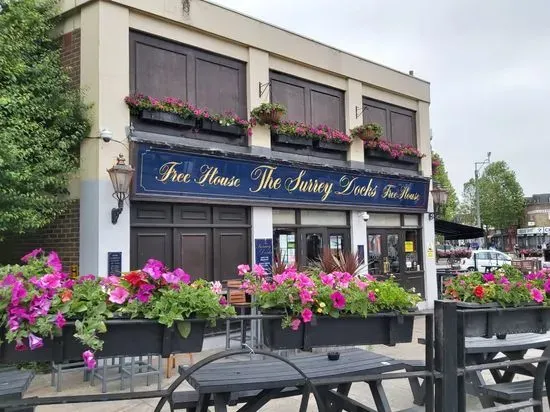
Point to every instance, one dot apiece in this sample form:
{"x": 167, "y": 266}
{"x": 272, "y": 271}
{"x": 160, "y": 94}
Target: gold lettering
{"x": 168, "y": 172}
{"x": 210, "y": 176}
{"x": 350, "y": 187}
{"x": 389, "y": 192}
{"x": 408, "y": 195}
{"x": 308, "y": 185}
{"x": 264, "y": 176}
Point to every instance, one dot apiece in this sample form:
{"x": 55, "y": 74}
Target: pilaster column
{"x": 258, "y": 72}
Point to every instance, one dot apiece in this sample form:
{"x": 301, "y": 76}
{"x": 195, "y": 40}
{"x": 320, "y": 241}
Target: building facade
{"x": 208, "y": 199}
{"x": 535, "y": 230}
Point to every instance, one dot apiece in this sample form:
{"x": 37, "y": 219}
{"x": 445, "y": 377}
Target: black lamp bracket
{"x": 262, "y": 87}
{"x": 117, "y": 211}
{"x": 359, "y": 110}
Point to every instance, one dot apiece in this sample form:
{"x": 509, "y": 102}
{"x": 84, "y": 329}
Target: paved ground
{"x": 398, "y": 391}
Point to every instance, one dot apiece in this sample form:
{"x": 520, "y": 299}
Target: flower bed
{"x": 394, "y": 150}
{"x": 44, "y": 310}
{"x": 531, "y": 252}
{"x": 305, "y": 133}
{"x": 455, "y": 253}
{"x": 180, "y": 112}
{"x": 318, "y": 304}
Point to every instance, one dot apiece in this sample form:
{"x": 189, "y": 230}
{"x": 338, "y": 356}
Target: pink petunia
{"x": 217, "y": 287}
{"x": 31, "y": 255}
{"x": 170, "y": 278}
{"x": 222, "y": 301}
{"x": 154, "y": 268}
{"x": 50, "y": 281}
{"x": 118, "y": 295}
{"x": 537, "y": 295}
{"x": 144, "y": 292}
{"x": 35, "y": 342}
{"x": 183, "y": 277}
{"x": 547, "y": 286}
{"x": 259, "y": 270}
{"x": 338, "y": 300}
{"x": 20, "y": 346}
{"x": 295, "y": 324}
{"x": 60, "y": 320}
{"x": 328, "y": 279}
{"x": 307, "y": 314}
{"x": 89, "y": 360}
{"x": 243, "y": 269}
{"x": 372, "y": 296}
{"x": 306, "y": 296}
{"x": 54, "y": 262}
{"x": 488, "y": 277}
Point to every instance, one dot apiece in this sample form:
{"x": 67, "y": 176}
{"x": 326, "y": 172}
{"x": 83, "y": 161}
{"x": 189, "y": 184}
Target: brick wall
{"x": 70, "y": 56}
{"x": 62, "y": 236}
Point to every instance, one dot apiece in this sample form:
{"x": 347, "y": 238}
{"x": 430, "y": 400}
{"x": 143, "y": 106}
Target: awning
{"x": 455, "y": 231}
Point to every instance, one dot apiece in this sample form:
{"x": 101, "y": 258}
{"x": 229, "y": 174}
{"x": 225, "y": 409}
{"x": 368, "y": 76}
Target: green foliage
{"x": 501, "y": 197}
{"x": 448, "y": 211}
{"x": 467, "y": 207}
{"x": 268, "y": 113}
{"x": 42, "y": 121}
{"x": 367, "y": 131}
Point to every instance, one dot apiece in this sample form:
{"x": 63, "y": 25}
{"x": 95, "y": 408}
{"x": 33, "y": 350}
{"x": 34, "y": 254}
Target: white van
{"x": 484, "y": 258}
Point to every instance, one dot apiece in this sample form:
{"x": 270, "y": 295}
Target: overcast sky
{"x": 488, "y": 63}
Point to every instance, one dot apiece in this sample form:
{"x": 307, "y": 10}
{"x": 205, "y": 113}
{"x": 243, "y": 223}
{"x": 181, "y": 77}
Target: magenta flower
{"x": 170, "y": 278}
{"x": 13, "y": 324}
{"x": 20, "y": 346}
{"x": 182, "y": 276}
{"x": 243, "y": 269}
{"x": 547, "y": 286}
{"x": 259, "y": 270}
{"x": 360, "y": 284}
{"x": 144, "y": 292}
{"x": 306, "y": 296}
{"x": 60, "y": 320}
{"x": 89, "y": 360}
{"x": 31, "y": 255}
{"x": 118, "y": 295}
{"x": 110, "y": 280}
{"x": 372, "y": 296}
{"x": 222, "y": 301}
{"x": 328, "y": 279}
{"x": 54, "y": 262}
{"x": 504, "y": 280}
{"x": 307, "y": 314}
{"x": 488, "y": 277}
{"x": 154, "y": 268}
{"x": 18, "y": 292}
{"x": 35, "y": 342}
{"x": 50, "y": 281}
{"x": 338, "y": 300}
{"x": 537, "y": 295}
{"x": 295, "y": 324}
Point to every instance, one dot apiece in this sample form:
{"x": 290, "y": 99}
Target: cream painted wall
{"x": 354, "y": 99}
{"x": 239, "y": 29}
{"x": 257, "y": 71}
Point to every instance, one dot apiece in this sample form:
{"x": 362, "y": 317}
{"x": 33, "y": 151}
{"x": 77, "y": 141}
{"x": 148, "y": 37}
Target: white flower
{"x": 217, "y": 287}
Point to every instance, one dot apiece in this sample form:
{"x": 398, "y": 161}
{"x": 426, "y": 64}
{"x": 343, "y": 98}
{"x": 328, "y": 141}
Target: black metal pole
{"x": 446, "y": 398}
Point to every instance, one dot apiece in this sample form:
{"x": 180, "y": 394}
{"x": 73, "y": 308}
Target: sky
{"x": 488, "y": 63}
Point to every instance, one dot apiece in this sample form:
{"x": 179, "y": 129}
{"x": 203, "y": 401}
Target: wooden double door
{"x": 206, "y": 241}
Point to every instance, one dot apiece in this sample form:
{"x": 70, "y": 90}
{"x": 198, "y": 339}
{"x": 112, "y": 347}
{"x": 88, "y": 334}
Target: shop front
{"x": 201, "y": 211}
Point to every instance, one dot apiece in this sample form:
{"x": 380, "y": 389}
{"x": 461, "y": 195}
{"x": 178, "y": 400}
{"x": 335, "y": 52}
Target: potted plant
{"x": 46, "y": 315}
{"x": 330, "y": 139}
{"x": 505, "y": 301}
{"x": 382, "y": 149}
{"x": 327, "y": 309}
{"x": 169, "y": 110}
{"x": 367, "y": 131}
{"x": 292, "y": 133}
{"x": 268, "y": 113}
{"x": 228, "y": 124}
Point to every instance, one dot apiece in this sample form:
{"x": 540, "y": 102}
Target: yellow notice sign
{"x": 430, "y": 252}
{"x": 409, "y": 246}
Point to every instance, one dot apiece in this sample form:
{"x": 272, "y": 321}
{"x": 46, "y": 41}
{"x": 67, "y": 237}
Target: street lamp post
{"x": 478, "y": 167}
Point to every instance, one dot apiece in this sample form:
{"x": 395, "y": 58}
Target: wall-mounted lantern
{"x": 121, "y": 176}
{"x": 440, "y": 196}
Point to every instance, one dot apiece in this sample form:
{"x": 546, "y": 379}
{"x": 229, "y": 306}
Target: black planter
{"x": 124, "y": 337}
{"x": 379, "y": 154}
{"x": 376, "y": 329}
{"x": 491, "y": 319}
{"x": 293, "y": 140}
{"x": 334, "y": 147}
{"x": 210, "y": 126}
{"x": 167, "y": 118}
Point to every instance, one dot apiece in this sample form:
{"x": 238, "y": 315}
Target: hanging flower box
{"x": 380, "y": 154}
{"x": 212, "y": 126}
{"x": 167, "y": 118}
{"x": 329, "y": 309}
{"x": 331, "y": 146}
{"x": 293, "y": 140}
{"x": 47, "y": 316}
{"x": 502, "y": 302}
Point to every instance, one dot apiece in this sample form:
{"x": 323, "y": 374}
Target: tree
{"x": 467, "y": 207}
{"x": 42, "y": 121}
{"x": 500, "y": 197}
{"x": 448, "y": 211}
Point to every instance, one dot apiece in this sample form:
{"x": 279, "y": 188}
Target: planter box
{"x": 210, "y": 126}
{"x": 293, "y": 140}
{"x": 166, "y": 118}
{"x": 124, "y": 337}
{"x": 376, "y": 329}
{"x": 335, "y": 147}
{"x": 379, "y": 154}
{"x": 492, "y": 319}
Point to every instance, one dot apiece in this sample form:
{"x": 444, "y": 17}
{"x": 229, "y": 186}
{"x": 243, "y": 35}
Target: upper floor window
{"x": 399, "y": 124}
{"x": 308, "y": 102}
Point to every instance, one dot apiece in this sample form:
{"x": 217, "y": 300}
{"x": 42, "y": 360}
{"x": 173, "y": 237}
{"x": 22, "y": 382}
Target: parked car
{"x": 484, "y": 258}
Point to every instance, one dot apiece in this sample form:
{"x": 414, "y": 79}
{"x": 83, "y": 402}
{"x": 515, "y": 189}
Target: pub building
{"x": 206, "y": 197}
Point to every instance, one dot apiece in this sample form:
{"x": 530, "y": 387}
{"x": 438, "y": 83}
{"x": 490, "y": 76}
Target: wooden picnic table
{"x": 272, "y": 377}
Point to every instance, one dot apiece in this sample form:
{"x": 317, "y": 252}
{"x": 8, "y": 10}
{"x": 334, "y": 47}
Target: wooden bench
{"x": 188, "y": 399}
{"x": 13, "y": 384}
{"x": 510, "y": 391}
{"x": 418, "y": 389}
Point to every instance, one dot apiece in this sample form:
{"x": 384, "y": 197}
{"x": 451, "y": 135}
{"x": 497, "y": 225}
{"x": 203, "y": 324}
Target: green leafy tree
{"x": 467, "y": 207}
{"x": 42, "y": 120}
{"x": 449, "y": 210}
{"x": 501, "y": 197}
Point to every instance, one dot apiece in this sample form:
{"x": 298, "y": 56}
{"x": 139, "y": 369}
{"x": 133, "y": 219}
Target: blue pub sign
{"x": 169, "y": 173}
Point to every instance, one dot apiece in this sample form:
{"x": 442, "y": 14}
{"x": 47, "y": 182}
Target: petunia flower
{"x": 118, "y": 295}
{"x": 31, "y": 255}
{"x": 222, "y": 301}
{"x": 328, "y": 279}
{"x": 170, "y": 278}
{"x": 488, "y": 277}
{"x": 54, "y": 262}
{"x": 295, "y": 324}
{"x": 89, "y": 360}
{"x": 217, "y": 287}
{"x": 20, "y": 346}
{"x": 144, "y": 292}
{"x": 154, "y": 268}
{"x": 372, "y": 296}
{"x": 537, "y": 295}
{"x": 243, "y": 269}
{"x": 307, "y": 314}
{"x": 182, "y": 276}
{"x": 50, "y": 281}
{"x": 259, "y": 270}
{"x": 60, "y": 320}
{"x": 338, "y": 300}
{"x": 306, "y": 296}
{"x": 35, "y": 342}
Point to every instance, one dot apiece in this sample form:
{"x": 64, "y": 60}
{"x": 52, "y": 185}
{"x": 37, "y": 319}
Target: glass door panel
{"x": 313, "y": 247}
{"x": 393, "y": 257}
{"x": 375, "y": 260}
{"x": 285, "y": 246}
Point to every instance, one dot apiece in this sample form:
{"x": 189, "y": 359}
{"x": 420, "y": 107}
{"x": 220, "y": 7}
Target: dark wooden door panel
{"x": 325, "y": 109}
{"x": 399, "y": 123}
{"x": 160, "y": 72}
{"x": 374, "y": 114}
{"x": 149, "y": 212}
{"x": 192, "y": 214}
{"x": 293, "y": 97}
{"x": 402, "y": 128}
{"x": 151, "y": 243}
{"x": 193, "y": 252}
{"x": 230, "y": 215}
{"x": 231, "y": 248}
{"x": 218, "y": 87}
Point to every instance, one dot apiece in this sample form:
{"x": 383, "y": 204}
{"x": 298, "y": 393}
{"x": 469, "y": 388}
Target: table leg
{"x": 202, "y": 404}
{"x": 305, "y": 399}
{"x": 344, "y": 389}
{"x": 261, "y": 399}
{"x": 476, "y": 381}
{"x": 220, "y": 402}
{"x": 379, "y": 396}
{"x": 508, "y": 375}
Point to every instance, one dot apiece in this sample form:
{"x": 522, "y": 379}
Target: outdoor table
{"x": 13, "y": 383}
{"x": 271, "y": 377}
